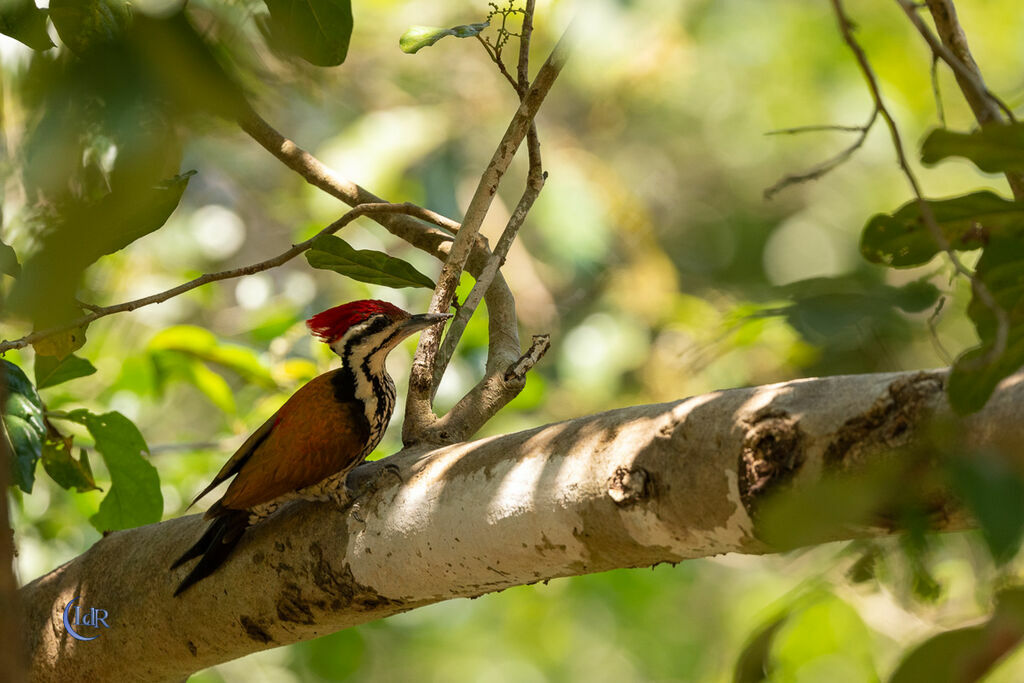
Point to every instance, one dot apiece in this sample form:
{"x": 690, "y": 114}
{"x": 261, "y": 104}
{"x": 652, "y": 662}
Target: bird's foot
{"x": 350, "y": 496}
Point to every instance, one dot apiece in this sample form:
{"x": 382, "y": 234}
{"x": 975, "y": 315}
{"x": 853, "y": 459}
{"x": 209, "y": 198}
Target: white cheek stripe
{"x": 364, "y": 386}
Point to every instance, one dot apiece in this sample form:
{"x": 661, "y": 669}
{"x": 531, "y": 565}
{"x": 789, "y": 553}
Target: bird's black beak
{"x": 416, "y": 323}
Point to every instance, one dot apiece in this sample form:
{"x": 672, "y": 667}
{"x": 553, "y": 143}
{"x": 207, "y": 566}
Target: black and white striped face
{"x": 371, "y": 340}
{"x": 368, "y": 343}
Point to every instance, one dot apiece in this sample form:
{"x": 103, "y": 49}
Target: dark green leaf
{"x": 968, "y": 222}
{"x": 23, "y": 408}
{"x": 976, "y": 374}
{"x": 18, "y": 382}
{"x": 59, "y": 462}
{"x": 23, "y": 21}
{"x": 318, "y": 31}
{"x": 973, "y": 380}
{"x": 51, "y": 371}
{"x": 333, "y": 253}
{"x": 967, "y": 654}
{"x": 85, "y": 233}
{"x": 941, "y": 657}
{"x": 994, "y": 493}
{"x": 754, "y": 663}
{"x": 827, "y": 509}
{"x": 419, "y": 37}
{"x": 8, "y": 261}
{"x": 994, "y": 148}
{"x": 26, "y": 446}
{"x": 134, "y": 497}
{"x": 916, "y": 296}
{"x": 84, "y": 24}
{"x": 845, "y": 311}
{"x": 866, "y": 566}
{"x": 24, "y": 426}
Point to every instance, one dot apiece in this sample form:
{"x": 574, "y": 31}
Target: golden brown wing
{"x": 236, "y": 461}
{"x": 315, "y": 434}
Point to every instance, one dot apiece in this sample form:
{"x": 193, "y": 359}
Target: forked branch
{"x": 420, "y": 421}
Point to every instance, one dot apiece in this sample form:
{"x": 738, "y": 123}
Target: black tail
{"x": 215, "y": 546}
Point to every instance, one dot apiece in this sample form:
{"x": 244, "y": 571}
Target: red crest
{"x": 334, "y": 322}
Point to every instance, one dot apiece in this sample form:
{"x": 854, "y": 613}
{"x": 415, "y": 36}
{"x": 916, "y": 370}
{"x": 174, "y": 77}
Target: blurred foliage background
{"x": 652, "y": 257}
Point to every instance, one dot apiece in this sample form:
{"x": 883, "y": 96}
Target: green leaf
{"x": 419, "y": 37}
{"x": 754, "y": 663}
{"x": 993, "y": 148}
{"x": 901, "y": 239}
{"x": 24, "y": 426}
{"x": 967, "y": 654}
{"x": 820, "y": 639}
{"x": 975, "y": 375}
{"x": 60, "y": 464}
{"x": 134, "y": 497}
{"x": 212, "y": 385}
{"x": 333, "y": 253}
{"x": 18, "y": 382}
{"x": 84, "y": 24}
{"x": 9, "y": 261}
{"x": 51, "y": 371}
{"x": 994, "y": 493}
{"x": 915, "y": 296}
{"x": 318, "y": 31}
{"x": 203, "y": 344}
{"x": 842, "y": 311}
{"x": 135, "y": 217}
{"x": 972, "y": 380}
{"x": 26, "y": 446}
{"x": 23, "y": 21}
{"x": 828, "y": 508}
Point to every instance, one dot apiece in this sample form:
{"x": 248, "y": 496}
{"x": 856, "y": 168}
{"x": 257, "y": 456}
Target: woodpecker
{"x": 308, "y": 447}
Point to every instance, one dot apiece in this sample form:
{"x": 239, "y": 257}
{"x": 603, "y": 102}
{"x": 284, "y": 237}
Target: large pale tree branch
{"x": 626, "y": 488}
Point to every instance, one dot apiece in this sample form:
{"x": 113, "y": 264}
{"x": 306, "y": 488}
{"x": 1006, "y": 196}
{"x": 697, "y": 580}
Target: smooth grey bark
{"x": 626, "y": 488}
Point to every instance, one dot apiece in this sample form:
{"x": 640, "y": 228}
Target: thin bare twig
{"x": 933, "y": 321}
{"x": 979, "y": 288}
{"x": 940, "y": 109}
{"x": 496, "y": 58}
{"x": 822, "y": 128}
{"x": 826, "y": 166}
{"x": 285, "y": 256}
{"x": 316, "y": 173}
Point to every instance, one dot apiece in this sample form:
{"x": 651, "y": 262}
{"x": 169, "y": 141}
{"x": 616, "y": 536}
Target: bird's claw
{"x": 348, "y": 497}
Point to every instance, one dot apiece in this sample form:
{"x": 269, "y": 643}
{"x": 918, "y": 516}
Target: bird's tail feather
{"x": 214, "y": 546}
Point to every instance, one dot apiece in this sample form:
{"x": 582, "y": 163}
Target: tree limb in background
{"x": 626, "y": 488}
{"x": 953, "y": 50}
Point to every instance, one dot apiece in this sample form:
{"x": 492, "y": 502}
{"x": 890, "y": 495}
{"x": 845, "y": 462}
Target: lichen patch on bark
{"x": 772, "y": 453}
{"x": 629, "y": 486}
{"x": 891, "y": 422}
